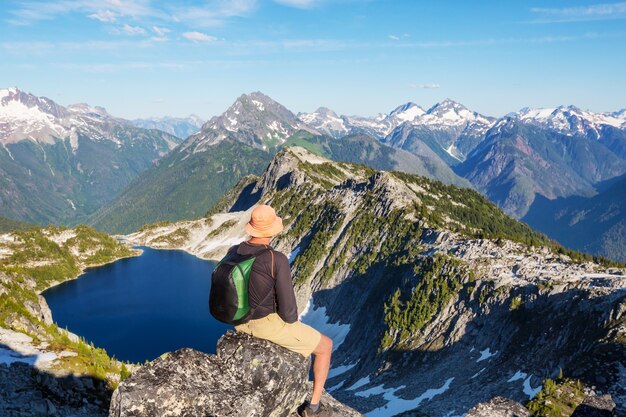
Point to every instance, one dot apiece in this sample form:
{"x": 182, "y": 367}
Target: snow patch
{"x": 518, "y": 375}
{"x": 450, "y": 151}
{"x": 318, "y": 319}
{"x": 9, "y": 152}
{"x": 258, "y": 105}
{"x": 396, "y": 405}
{"x": 340, "y": 370}
{"x": 292, "y": 255}
{"x": 71, "y": 204}
{"x": 358, "y": 384}
{"x": 19, "y": 348}
{"x": 529, "y": 390}
{"x": 410, "y": 114}
{"x": 485, "y": 354}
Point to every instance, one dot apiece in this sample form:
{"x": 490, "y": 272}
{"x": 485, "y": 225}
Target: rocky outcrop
{"x": 247, "y": 377}
{"x": 25, "y": 391}
{"x": 592, "y": 406}
{"x": 499, "y": 407}
{"x": 596, "y": 406}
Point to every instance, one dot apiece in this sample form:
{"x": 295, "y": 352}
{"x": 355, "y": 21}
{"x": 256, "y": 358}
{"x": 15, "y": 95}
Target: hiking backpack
{"x": 228, "y": 298}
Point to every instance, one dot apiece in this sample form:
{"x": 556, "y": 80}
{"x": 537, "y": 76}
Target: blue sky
{"x": 150, "y": 58}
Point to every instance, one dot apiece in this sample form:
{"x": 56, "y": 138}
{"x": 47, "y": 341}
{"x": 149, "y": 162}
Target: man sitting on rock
{"x": 276, "y": 318}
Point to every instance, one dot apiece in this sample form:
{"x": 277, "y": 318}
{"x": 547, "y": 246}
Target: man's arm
{"x": 285, "y": 297}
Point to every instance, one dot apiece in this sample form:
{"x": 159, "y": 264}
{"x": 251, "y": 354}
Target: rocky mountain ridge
{"x": 445, "y": 114}
{"x": 457, "y": 303}
{"x": 239, "y": 142}
{"x": 60, "y": 164}
{"x": 25, "y": 116}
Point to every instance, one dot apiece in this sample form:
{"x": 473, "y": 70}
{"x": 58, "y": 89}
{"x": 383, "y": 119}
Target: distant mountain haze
{"x": 181, "y": 127}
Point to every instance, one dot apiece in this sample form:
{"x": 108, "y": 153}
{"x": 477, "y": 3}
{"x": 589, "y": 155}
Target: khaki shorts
{"x": 297, "y": 336}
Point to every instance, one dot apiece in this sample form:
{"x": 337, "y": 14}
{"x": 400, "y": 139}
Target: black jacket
{"x": 269, "y": 276}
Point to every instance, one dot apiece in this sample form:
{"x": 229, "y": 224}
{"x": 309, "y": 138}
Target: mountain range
{"x": 60, "y": 164}
{"x": 561, "y": 154}
{"x": 242, "y": 141}
{"x": 517, "y": 161}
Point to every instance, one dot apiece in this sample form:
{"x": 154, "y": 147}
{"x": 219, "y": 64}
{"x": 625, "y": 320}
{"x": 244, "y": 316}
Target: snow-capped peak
{"x": 85, "y": 108}
{"x": 325, "y": 120}
{"x": 25, "y": 116}
{"x": 620, "y": 115}
{"x": 407, "y": 112}
{"x": 449, "y": 112}
{"x": 568, "y": 119}
{"x": 7, "y": 92}
{"x": 254, "y": 119}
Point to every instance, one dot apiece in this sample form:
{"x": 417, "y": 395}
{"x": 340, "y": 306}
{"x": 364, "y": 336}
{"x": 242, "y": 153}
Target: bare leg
{"x": 321, "y": 366}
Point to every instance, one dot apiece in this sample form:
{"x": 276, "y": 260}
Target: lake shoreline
{"x": 155, "y": 303}
{"x": 84, "y": 269}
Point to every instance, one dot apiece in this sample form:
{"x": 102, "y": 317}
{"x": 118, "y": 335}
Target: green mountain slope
{"x": 183, "y": 185}
{"x": 64, "y": 169}
{"x": 365, "y": 149}
{"x": 596, "y": 225}
{"x": 10, "y": 225}
{"x": 518, "y": 161}
{"x": 242, "y": 141}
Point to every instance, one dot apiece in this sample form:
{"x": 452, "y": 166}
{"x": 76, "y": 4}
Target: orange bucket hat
{"x": 264, "y": 222}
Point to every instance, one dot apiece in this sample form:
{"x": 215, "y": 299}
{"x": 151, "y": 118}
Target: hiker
{"x": 273, "y": 303}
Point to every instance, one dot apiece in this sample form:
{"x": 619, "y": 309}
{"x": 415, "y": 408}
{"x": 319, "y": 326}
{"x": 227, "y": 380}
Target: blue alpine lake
{"x": 139, "y": 308}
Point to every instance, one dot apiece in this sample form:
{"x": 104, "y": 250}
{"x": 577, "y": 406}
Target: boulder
{"x": 246, "y": 377}
{"x": 499, "y": 407}
{"x": 595, "y": 406}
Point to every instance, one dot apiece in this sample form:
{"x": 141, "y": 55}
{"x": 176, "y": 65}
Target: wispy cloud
{"x": 427, "y": 86}
{"x": 161, "y": 34}
{"x": 607, "y": 11}
{"x": 160, "y": 31}
{"x": 29, "y": 12}
{"x": 398, "y": 37}
{"x": 131, "y": 30}
{"x": 267, "y": 47}
{"x": 213, "y": 13}
{"x": 53, "y": 48}
{"x": 199, "y": 37}
{"x": 300, "y": 4}
{"x": 105, "y": 16}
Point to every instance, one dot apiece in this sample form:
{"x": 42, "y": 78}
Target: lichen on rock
{"x": 246, "y": 377}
